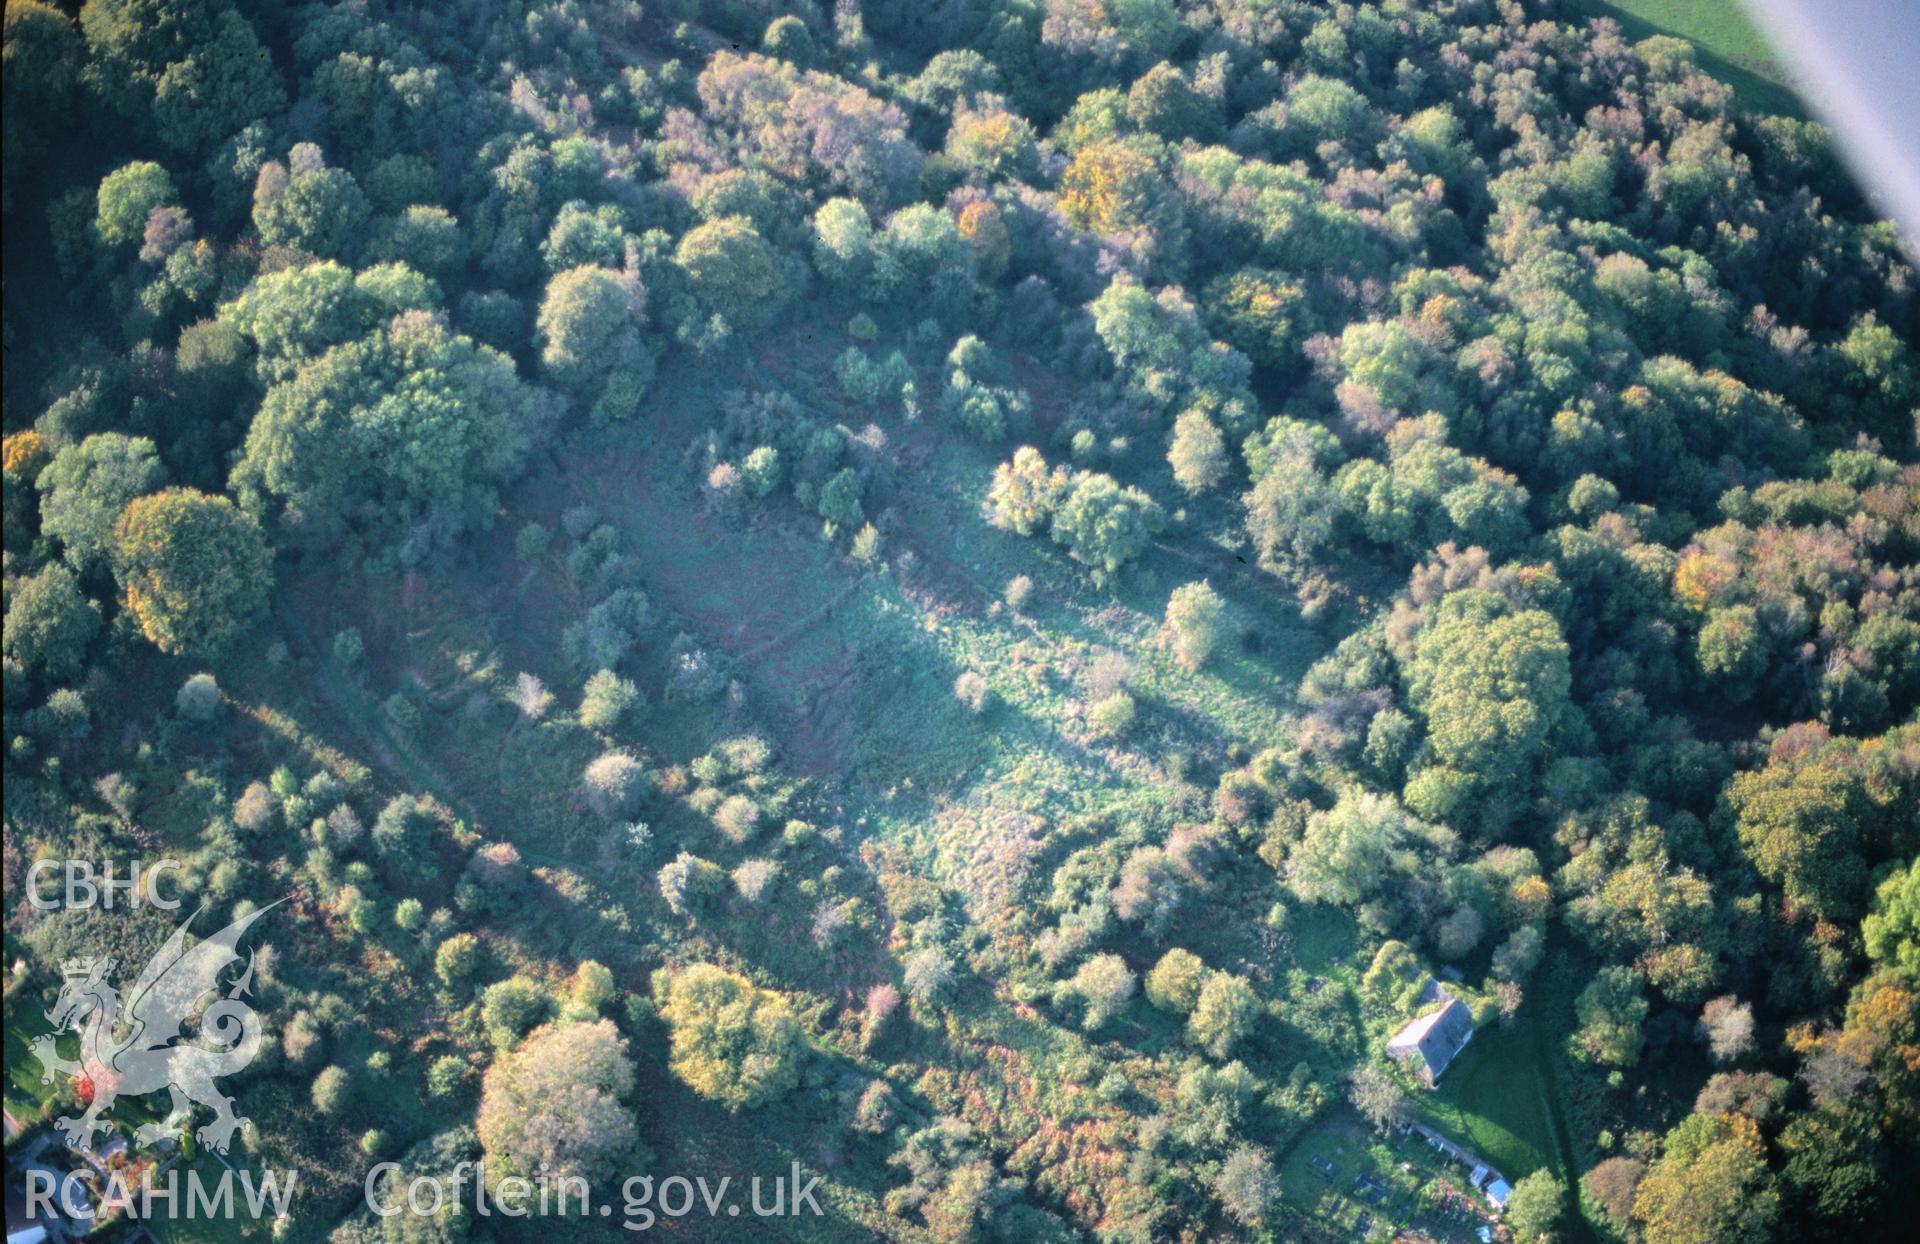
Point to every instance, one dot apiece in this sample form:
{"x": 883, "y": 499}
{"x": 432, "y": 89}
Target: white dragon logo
{"x": 142, "y": 1051}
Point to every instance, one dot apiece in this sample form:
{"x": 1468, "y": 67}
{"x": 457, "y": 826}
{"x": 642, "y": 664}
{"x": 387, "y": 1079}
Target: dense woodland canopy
{"x": 976, "y": 594}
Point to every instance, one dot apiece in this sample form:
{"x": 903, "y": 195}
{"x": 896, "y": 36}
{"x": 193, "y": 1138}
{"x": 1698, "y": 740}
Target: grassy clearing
{"x": 1493, "y": 1101}
{"x": 1507, "y": 1096}
{"x": 1731, "y": 47}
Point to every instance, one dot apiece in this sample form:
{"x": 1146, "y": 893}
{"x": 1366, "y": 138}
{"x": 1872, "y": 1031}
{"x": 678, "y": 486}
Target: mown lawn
{"x": 1493, "y": 1101}
{"x": 1731, "y": 47}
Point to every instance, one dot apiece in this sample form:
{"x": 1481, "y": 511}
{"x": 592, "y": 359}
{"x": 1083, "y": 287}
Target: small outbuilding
{"x": 1498, "y": 1191}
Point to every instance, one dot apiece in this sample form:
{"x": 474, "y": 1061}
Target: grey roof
{"x": 1435, "y": 1037}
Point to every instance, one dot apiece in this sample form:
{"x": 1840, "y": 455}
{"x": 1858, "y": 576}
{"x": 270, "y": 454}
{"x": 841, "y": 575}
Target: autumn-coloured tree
{"x": 195, "y": 570}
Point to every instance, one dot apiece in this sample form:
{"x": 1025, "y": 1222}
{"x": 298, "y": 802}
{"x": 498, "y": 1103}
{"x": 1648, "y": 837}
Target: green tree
{"x": 840, "y": 498}
{"x": 732, "y": 270}
{"x": 405, "y": 436}
{"x": 1710, "y": 1184}
{"x": 1224, "y": 1013}
{"x": 510, "y": 1007}
{"x": 1291, "y": 509}
{"x": 1800, "y": 824}
{"x": 994, "y": 145}
{"x": 921, "y": 259}
{"x": 1378, "y": 1096}
{"x": 403, "y": 835}
{"x": 788, "y": 39}
{"x": 1197, "y": 453}
{"x": 586, "y": 237}
{"x": 425, "y": 238}
{"x": 1104, "y": 984}
{"x": 1195, "y": 614}
{"x": 1611, "y": 1010}
{"x": 688, "y": 883}
{"x": 732, "y": 1042}
{"x": 1247, "y": 1185}
{"x": 605, "y": 699}
{"x": 44, "y": 56}
{"x": 1734, "y": 651}
{"x": 1104, "y": 526}
{"x": 50, "y": 622}
{"x": 1117, "y": 186}
{"x": 1348, "y": 851}
{"x": 1175, "y": 982}
{"x": 332, "y": 1091}
{"x": 457, "y": 959}
{"x": 1536, "y": 1211}
{"x": 191, "y": 71}
{"x": 295, "y": 315}
{"x": 615, "y": 782}
{"x": 318, "y": 209}
{"x": 1494, "y": 684}
{"x": 1261, "y": 313}
{"x": 1025, "y": 491}
{"x": 1891, "y": 930}
{"x": 87, "y": 485}
{"x": 195, "y": 570}
{"x": 591, "y": 343}
{"x": 129, "y": 195}
{"x": 843, "y": 241}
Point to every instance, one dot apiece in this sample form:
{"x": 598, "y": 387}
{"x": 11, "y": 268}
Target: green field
{"x": 1493, "y": 1101}
{"x": 1731, "y": 47}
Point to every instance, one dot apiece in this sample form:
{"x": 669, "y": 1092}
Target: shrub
{"x": 198, "y": 698}
{"x": 1174, "y": 984}
{"x": 1111, "y": 716}
{"x": 614, "y": 784}
{"x": 1194, "y": 615}
{"x": 332, "y": 1091}
{"x": 755, "y": 878}
{"x": 512, "y": 1006}
{"x": 605, "y": 699}
{"x": 972, "y": 690}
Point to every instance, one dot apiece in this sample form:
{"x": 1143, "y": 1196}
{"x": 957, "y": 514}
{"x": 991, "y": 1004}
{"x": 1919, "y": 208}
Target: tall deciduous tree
{"x": 404, "y": 436}
{"x": 1710, "y": 1184}
{"x": 553, "y": 1108}
{"x": 195, "y": 570}
{"x": 1495, "y": 686}
{"x": 591, "y": 341}
{"x": 733, "y": 1042}
{"x": 86, "y": 487}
